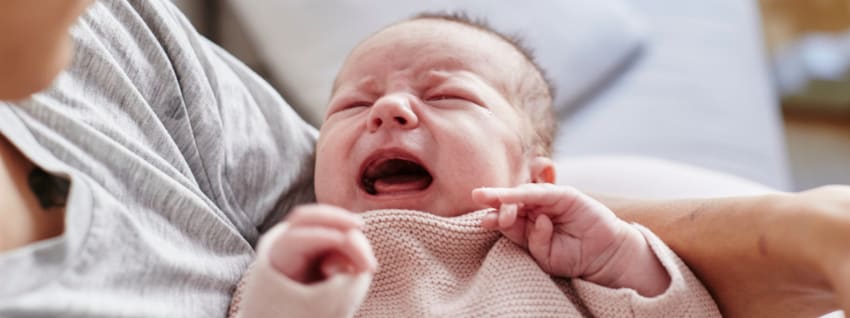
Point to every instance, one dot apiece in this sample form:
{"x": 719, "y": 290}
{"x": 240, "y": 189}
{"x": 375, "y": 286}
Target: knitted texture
{"x": 431, "y": 266}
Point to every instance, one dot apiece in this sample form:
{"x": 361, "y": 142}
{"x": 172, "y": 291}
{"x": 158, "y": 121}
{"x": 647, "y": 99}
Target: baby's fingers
{"x": 487, "y": 197}
{"x": 538, "y": 194}
{"x": 358, "y": 258}
{"x": 540, "y": 242}
{"x": 515, "y": 231}
{"x": 295, "y": 252}
{"x": 490, "y": 220}
{"x": 842, "y": 289}
{"x": 336, "y": 263}
{"x": 507, "y": 215}
{"x": 359, "y": 251}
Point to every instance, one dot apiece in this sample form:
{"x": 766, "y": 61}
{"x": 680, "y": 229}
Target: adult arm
{"x": 769, "y": 255}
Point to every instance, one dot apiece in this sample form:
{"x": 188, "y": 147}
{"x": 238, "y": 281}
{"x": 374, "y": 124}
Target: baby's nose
{"x": 392, "y": 111}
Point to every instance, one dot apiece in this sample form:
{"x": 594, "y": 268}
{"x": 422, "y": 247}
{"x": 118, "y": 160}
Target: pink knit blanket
{"x": 431, "y": 266}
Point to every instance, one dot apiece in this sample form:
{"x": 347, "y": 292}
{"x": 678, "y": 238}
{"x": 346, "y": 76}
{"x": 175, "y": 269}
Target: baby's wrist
{"x": 635, "y": 266}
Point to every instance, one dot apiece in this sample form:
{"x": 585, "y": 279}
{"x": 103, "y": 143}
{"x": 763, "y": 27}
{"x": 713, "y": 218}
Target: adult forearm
{"x": 754, "y": 254}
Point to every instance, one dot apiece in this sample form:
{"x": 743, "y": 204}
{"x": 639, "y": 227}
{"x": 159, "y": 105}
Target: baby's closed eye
{"x": 357, "y": 104}
{"x": 442, "y": 97}
{"x": 451, "y": 100}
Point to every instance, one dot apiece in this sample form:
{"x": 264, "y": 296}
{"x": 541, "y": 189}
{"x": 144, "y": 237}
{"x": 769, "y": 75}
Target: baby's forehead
{"x": 437, "y": 44}
{"x": 436, "y": 30}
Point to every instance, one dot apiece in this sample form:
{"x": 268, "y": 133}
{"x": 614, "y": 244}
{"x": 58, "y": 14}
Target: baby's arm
{"x": 570, "y": 234}
{"x": 315, "y": 264}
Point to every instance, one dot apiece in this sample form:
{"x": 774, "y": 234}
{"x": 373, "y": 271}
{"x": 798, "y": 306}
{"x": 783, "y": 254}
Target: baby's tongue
{"x": 400, "y": 183}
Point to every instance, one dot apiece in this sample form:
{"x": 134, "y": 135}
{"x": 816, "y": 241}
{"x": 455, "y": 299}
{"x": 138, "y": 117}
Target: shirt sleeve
{"x": 264, "y": 292}
{"x": 685, "y": 297}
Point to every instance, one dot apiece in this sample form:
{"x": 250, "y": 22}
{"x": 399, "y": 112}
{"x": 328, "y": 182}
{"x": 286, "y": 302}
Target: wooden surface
{"x": 787, "y": 20}
{"x": 817, "y": 132}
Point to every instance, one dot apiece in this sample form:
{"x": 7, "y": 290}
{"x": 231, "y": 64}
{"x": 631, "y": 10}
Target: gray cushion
{"x": 700, "y": 93}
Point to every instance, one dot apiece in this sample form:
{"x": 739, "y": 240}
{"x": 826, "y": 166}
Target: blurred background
{"x": 807, "y": 44}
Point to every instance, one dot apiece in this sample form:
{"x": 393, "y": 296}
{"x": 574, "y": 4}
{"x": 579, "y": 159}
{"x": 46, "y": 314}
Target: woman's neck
{"x": 22, "y": 219}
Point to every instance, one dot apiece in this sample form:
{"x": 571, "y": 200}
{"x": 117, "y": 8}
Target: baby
{"x": 443, "y": 115}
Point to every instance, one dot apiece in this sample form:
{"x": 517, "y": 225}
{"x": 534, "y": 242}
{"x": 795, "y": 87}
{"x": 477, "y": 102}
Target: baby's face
{"x": 419, "y": 118}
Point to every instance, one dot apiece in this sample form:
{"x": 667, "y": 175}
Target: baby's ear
{"x": 542, "y": 170}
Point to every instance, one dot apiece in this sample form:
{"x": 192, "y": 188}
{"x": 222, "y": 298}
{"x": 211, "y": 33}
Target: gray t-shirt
{"x": 178, "y": 157}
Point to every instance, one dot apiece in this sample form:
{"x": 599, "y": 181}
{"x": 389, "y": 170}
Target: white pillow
{"x": 650, "y": 178}
{"x": 304, "y": 42}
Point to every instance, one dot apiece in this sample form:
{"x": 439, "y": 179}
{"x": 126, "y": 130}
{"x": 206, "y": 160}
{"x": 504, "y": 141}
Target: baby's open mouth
{"x": 394, "y": 175}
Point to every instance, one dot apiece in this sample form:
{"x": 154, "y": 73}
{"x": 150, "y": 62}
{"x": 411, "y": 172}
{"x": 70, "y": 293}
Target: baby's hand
{"x": 319, "y": 241}
{"x": 570, "y": 234}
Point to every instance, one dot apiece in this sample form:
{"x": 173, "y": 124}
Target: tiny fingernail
{"x": 489, "y": 217}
